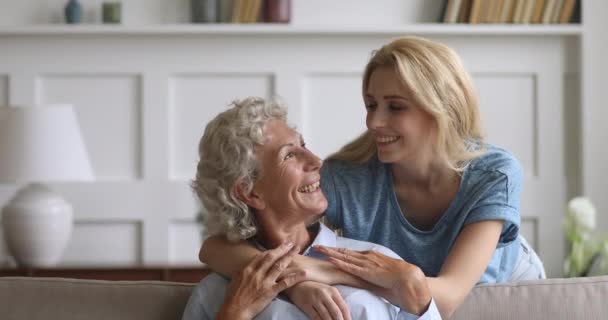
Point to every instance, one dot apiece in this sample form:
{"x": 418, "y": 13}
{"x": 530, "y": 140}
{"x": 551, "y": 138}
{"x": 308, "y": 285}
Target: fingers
{"x": 350, "y": 268}
{"x": 323, "y": 313}
{"x": 288, "y": 281}
{"x": 280, "y": 264}
{"x": 334, "y": 310}
{"x": 343, "y": 307}
{"x": 270, "y": 257}
{"x": 350, "y": 256}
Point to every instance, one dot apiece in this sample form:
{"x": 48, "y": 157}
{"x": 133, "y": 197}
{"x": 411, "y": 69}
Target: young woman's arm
{"x": 465, "y": 264}
{"x": 462, "y": 269}
{"x": 229, "y": 259}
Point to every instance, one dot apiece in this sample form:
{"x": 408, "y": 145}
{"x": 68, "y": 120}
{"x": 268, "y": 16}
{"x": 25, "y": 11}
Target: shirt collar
{"x": 325, "y": 237}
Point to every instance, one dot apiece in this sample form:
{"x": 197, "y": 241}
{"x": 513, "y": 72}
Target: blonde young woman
{"x": 421, "y": 181}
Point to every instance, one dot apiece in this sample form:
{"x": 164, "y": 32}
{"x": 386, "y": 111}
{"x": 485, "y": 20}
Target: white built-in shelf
{"x": 270, "y": 29}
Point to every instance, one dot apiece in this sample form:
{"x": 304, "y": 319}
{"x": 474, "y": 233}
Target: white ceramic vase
{"x": 37, "y": 226}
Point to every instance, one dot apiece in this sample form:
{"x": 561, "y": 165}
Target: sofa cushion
{"x": 571, "y": 298}
{"x": 55, "y": 298}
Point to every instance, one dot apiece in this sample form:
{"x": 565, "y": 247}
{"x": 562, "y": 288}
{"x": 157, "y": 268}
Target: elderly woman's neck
{"x": 299, "y": 235}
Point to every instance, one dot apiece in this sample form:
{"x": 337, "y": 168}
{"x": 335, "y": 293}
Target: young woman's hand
{"x": 256, "y": 285}
{"x": 401, "y": 283}
{"x": 319, "y": 301}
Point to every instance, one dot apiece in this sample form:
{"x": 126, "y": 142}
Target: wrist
{"x": 227, "y": 313}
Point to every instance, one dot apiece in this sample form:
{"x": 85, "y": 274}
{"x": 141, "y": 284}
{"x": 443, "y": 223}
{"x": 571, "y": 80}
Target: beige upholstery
{"x": 51, "y": 298}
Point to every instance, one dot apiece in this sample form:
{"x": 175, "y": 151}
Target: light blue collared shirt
{"x": 208, "y": 296}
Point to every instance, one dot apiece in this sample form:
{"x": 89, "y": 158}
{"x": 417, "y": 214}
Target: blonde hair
{"x": 437, "y": 81}
{"x": 227, "y": 159}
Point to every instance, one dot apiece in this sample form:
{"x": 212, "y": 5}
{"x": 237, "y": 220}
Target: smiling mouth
{"x": 384, "y": 140}
{"x": 310, "y": 188}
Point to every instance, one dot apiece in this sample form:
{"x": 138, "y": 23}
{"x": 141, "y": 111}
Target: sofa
{"x": 27, "y": 298}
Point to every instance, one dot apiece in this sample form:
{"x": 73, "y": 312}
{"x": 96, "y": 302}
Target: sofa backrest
{"x": 67, "y": 299}
{"x": 70, "y": 299}
{"x": 571, "y": 298}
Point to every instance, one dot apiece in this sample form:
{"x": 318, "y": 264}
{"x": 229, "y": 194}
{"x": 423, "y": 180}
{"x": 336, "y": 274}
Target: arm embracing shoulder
{"x": 216, "y": 249}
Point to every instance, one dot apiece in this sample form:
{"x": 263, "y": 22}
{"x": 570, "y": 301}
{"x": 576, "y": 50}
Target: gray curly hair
{"x": 227, "y": 158}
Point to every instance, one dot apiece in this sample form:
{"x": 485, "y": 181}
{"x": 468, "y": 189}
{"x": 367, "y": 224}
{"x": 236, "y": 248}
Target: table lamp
{"x": 38, "y": 145}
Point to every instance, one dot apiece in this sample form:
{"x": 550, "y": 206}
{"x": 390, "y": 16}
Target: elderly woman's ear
{"x": 250, "y": 198}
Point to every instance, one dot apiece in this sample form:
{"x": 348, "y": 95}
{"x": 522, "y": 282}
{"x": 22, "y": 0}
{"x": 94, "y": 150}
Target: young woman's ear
{"x": 251, "y": 198}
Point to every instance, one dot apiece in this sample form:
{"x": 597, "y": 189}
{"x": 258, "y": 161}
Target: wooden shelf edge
{"x": 276, "y": 29}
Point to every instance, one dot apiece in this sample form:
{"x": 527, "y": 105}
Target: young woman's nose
{"x": 376, "y": 119}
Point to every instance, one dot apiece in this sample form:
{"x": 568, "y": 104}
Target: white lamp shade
{"x": 42, "y": 144}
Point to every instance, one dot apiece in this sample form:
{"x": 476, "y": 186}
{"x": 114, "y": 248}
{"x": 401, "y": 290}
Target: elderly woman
{"x": 258, "y": 182}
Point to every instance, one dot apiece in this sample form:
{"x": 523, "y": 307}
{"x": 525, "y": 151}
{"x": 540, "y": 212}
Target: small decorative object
{"x": 277, "y": 11}
{"x": 587, "y": 255}
{"x": 111, "y": 12}
{"x": 37, "y": 145}
{"x": 73, "y": 12}
{"x": 204, "y": 11}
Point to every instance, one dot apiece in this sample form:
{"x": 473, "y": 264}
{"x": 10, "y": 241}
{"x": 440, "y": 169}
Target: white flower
{"x": 582, "y": 212}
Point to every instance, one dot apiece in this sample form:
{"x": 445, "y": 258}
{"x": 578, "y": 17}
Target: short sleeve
{"x": 328, "y": 187}
{"x": 499, "y": 199}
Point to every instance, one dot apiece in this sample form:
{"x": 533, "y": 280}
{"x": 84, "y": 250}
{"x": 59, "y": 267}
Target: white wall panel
{"x": 194, "y": 100}
{"x": 529, "y": 229}
{"x": 508, "y": 110}
{"x": 4, "y": 90}
{"x": 104, "y": 243}
{"x": 184, "y": 242}
{"x": 156, "y": 93}
{"x": 333, "y": 111}
{"x": 108, "y": 109}
{"x": 572, "y": 136}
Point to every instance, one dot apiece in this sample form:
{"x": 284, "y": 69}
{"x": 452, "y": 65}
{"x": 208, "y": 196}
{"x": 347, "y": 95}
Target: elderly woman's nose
{"x": 312, "y": 161}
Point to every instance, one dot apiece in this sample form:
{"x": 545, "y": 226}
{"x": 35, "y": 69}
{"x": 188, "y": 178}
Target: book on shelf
{"x": 246, "y": 11}
{"x": 451, "y": 11}
{"x": 465, "y": 9}
{"x": 528, "y": 11}
{"x": 478, "y": 7}
{"x": 567, "y": 11}
{"x": 556, "y": 11}
{"x": 507, "y": 10}
{"x": 537, "y": 15}
{"x": 510, "y": 11}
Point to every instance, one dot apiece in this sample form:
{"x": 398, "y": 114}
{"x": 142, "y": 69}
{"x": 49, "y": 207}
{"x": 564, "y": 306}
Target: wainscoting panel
{"x": 184, "y": 242}
{"x": 331, "y": 100}
{"x": 195, "y": 99}
{"x": 508, "y": 109}
{"x": 121, "y": 243}
{"x": 144, "y": 99}
{"x": 108, "y": 109}
{"x": 4, "y": 89}
{"x": 529, "y": 229}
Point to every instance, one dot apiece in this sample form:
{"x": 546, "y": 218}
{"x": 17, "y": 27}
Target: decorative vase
{"x": 37, "y": 226}
{"x": 111, "y": 12}
{"x": 73, "y": 12}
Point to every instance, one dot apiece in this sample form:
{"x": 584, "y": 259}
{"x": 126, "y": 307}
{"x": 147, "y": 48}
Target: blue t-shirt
{"x": 363, "y": 204}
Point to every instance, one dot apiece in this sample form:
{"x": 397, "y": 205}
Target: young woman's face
{"x": 289, "y": 174}
{"x": 402, "y": 130}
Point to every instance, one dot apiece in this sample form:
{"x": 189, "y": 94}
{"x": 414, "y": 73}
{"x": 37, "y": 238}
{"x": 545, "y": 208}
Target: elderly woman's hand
{"x": 319, "y": 301}
{"x": 401, "y": 283}
{"x": 258, "y": 283}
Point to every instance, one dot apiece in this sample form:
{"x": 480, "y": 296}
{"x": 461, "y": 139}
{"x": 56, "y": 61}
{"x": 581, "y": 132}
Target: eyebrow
{"x": 289, "y": 144}
{"x": 367, "y": 95}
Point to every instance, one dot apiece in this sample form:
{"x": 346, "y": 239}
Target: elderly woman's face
{"x": 289, "y": 175}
